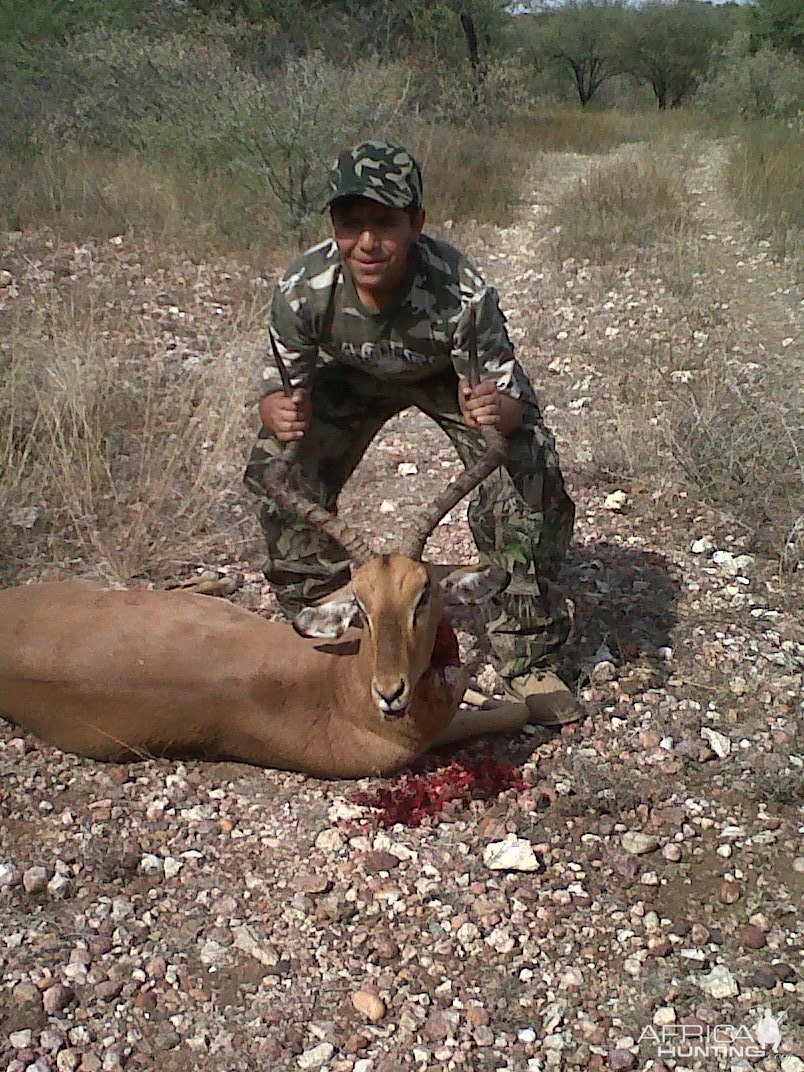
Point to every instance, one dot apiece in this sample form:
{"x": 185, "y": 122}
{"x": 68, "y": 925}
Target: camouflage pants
{"x": 520, "y": 518}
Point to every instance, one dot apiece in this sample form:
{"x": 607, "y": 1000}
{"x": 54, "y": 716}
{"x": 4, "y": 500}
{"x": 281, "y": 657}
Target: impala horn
{"x": 280, "y": 480}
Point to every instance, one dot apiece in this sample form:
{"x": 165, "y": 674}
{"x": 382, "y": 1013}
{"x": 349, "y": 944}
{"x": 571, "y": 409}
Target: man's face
{"x": 373, "y": 241}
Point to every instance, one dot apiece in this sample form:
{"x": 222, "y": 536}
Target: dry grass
{"x": 572, "y": 130}
{"x": 469, "y": 174}
{"x": 80, "y": 192}
{"x": 766, "y": 180}
{"x": 729, "y": 431}
{"x": 737, "y": 435}
{"x": 111, "y": 461}
{"x": 622, "y": 204}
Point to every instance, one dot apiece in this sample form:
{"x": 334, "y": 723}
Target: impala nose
{"x": 392, "y": 700}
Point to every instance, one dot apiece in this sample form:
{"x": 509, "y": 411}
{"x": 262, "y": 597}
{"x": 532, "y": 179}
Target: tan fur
{"x": 120, "y": 674}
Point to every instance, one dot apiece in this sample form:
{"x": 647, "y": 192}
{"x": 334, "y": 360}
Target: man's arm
{"x": 504, "y": 389}
{"x": 287, "y": 417}
{"x": 486, "y": 404}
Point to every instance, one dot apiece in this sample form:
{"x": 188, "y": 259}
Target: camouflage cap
{"x": 378, "y": 170}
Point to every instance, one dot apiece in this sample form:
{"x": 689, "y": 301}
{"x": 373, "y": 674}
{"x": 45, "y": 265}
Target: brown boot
{"x": 548, "y": 699}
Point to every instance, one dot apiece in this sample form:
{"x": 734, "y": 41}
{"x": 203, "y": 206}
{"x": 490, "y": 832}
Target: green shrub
{"x": 753, "y": 85}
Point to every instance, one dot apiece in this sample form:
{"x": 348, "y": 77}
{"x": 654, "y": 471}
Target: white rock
{"x": 407, "y": 469}
{"x": 571, "y": 979}
{"x": 719, "y": 982}
{"x": 603, "y": 671}
{"x": 245, "y": 940}
{"x": 791, "y": 1063}
{"x": 9, "y": 875}
{"x": 700, "y": 547}
{"x": 172, "y": 866}
{"x": 27, "y": 518}
{"x": 330, "y": 840}
{"x": 718, "y": 742}
{"x": 616, "y": 501}
{"x": 149, "y": 862}
{"x": 632, "y": 966}
{"x": 59, "y": 886}
{"x": 387, "y": 507}
{"x": 318, "y": 1056}
{"x": 553, "y": 1015}
{"x": 637, "y": 843}
{"x": 664, "y": 1016}
{"x": 732, "y": 565}
{"x": 511, "y": 854}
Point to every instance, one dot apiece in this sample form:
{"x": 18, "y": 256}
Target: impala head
{"x": 400, "y": 601}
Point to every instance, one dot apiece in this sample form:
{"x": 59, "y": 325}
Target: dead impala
{"x": 114, "y": 674}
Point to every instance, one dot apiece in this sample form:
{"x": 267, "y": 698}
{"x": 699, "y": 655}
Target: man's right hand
{"x": 287, "y": 417}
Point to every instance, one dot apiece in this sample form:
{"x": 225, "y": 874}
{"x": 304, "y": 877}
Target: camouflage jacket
{"x": 318, "y": 319}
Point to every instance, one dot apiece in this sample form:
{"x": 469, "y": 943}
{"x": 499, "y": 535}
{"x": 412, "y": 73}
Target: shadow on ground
{"x": 625, "y": 601}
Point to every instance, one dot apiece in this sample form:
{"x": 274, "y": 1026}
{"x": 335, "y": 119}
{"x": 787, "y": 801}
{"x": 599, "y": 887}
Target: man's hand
{"x": 287, "y": 417}
{"x": 486, "y": 405}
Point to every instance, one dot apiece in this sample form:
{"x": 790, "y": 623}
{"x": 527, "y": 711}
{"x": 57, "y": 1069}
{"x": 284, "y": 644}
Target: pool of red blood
{"x": 411, "y": 798}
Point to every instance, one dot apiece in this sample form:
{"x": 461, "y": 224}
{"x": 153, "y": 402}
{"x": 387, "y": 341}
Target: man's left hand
{"x": 486, "y": 405}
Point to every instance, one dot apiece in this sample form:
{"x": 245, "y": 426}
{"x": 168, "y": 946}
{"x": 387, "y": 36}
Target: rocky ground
{"x": 648, "y": 888}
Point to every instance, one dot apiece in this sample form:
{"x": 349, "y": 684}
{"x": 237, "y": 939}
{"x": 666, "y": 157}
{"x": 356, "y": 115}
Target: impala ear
{"x": 473, "y": 584}
{"x": 327, "y": 621}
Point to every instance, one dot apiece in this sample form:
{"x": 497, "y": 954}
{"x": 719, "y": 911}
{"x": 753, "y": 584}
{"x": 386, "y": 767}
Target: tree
{"x": 668, "y": 45}
{"x": 778, "y": 23}
{"x": 583, "y": 35}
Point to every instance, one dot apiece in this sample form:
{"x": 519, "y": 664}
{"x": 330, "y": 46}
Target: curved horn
{"x": 279, "y": 483}
{"x": 493, "y": 456}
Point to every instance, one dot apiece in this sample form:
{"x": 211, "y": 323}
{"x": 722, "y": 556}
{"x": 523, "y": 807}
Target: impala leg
{"x": 506, "y": 718}
{"x": 479, "y": 699}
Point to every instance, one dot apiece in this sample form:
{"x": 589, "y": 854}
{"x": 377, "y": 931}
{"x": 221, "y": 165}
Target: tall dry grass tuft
{"x": 738, "y": 436}
{"x": 78, "y": 192}
{"x": 622, "y": 204}
{"x": 731, "y": 431}
{"x": 114, "y": 461}
{"x": 765, "y": 177}
{"x": 469, "y": 174}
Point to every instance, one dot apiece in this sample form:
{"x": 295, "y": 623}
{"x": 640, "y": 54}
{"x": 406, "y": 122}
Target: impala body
{"x": 115, "y": 674}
